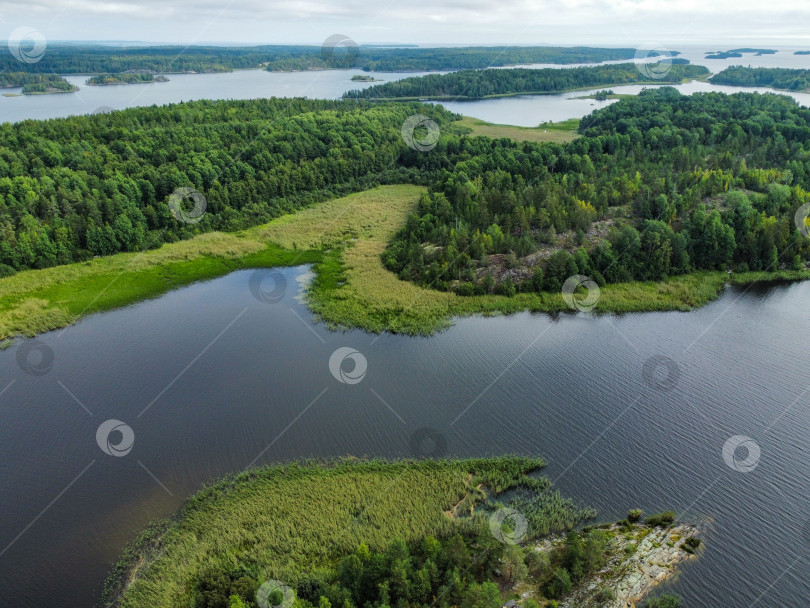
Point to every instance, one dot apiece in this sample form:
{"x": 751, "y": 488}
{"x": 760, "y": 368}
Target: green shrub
{"x": 634, "y": 515}
{"x": 661, "y": 519}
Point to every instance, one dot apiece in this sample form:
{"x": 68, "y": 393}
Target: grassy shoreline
{"x": 344, "y": 239}
{"x": 253, "y": 516}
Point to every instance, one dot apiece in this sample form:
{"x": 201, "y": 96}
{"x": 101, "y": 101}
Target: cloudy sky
{"x": 616, "y": 22}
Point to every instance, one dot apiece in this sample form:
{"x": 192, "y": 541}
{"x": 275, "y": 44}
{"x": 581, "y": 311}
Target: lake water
{"x": 331, "y": 84}
{"x": 211, "y": 381}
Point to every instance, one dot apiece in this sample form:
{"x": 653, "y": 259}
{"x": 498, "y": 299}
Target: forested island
{"x": 411, "y": 533}
{"x": 36, "y": 84}
{"x": 478, "y": 84}
{"x": 364, "y": 78}
{"x": 102, "y": 59}
{"x": 734, "y": 53}
{"x": 776, "y": 78}
{"x": 125, "y": 78}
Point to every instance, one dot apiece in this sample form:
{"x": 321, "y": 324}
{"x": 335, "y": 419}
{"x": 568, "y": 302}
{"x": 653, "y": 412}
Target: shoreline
{"x": 161, "y": 564}
{"x": 351, "y": 288}
{"x": 641, "y": 558}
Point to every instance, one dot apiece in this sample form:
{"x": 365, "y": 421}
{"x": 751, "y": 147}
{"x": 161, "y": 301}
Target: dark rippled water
{"x": 211, "y": 380}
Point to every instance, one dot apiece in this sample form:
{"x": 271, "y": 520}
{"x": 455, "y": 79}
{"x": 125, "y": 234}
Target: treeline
{"x": 101, "y": 59}
{"x": 415, "y": 59}
{"x": 32, "y": 82}
{"x": 775, "y": 78}
{"x": 126, "y": 78}
{"x": 466, "y": 570}
{"x": 475, "y": 84}
{"x": 676, "y": 183}
{"x": 84, "y": 186}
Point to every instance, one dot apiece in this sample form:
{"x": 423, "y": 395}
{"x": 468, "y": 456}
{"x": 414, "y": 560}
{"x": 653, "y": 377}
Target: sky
{"x": 632, "y": 23}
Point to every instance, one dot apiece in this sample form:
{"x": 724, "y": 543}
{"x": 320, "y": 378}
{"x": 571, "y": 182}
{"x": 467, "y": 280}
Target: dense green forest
{"x": 100, "y": 59}
{"x": 474, "y": 84}
{"x": 127, "y": 78}
{"x": 34, "y": 83}
{"x": 776, "y": 78}
{"x": 658, "y": 185}
{"x": 95, "y": 185}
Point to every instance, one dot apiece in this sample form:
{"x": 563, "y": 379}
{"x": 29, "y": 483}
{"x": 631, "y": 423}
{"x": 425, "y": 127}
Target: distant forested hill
{"x": 99, "y": 59}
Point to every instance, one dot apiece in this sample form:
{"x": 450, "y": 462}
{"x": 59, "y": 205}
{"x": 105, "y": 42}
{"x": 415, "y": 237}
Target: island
{"x": 36, "y": 84}
{"x": 125, "y": 78}
{"x": 364, "y": 78}
{"x": 477, "y": 533}
{"x": 734, "y": 53}
{"x": 482, "y": 84}
{"x": 775, "y": 78}
{"x": 802, "y": 53}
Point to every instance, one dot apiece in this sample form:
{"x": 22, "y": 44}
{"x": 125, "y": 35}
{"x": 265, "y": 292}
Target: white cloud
{"x": 625, "y": 22}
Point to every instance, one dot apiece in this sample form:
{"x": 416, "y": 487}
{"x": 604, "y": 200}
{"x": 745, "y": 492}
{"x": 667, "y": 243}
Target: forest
{"x": 475, "y": 84}
{"x": 34, "y": 83}
{"x": 84, "y": 186}
{"x": 658, "y": 185}
{"x": 101, "y": 59}
{"x": 127, "y": 78}
{"x": 775, "y": 78}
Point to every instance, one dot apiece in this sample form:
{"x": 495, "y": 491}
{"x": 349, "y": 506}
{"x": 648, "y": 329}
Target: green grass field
{"x": 344, "y": 239}
{"x": 554, "y": 132}
{"x": 288, "y": 518}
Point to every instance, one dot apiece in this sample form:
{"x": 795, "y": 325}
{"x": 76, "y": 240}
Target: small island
{"x": 476, "y": 533}
{"x": 125, "y": 78}
{"x": 364, "y": 78}
{"x": 735, "y": 53}
{"x": 36, "y": 84}
{"x": 802, "y": 53}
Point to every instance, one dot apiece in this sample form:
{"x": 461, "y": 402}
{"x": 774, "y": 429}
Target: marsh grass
{"x": 285, "y": 519}
{"x": 344, "y": 239}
